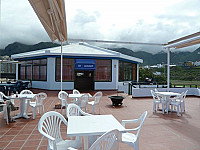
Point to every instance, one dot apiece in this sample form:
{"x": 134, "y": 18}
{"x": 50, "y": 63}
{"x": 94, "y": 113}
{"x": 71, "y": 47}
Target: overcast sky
{"x": 157, "y": 21}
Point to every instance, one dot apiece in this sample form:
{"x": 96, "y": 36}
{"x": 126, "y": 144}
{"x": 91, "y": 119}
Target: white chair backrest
{"x": 185, "y": 94}
{"x": 106, "y": 141}
{"x": 2, "y": 95}
{"x": 97, "y": 96}
{"x": 83, "y": 100}
{"x": 75, "y": 110}
{"x": 155, "y": 96}
{"x": 49, "y": 126}
{"x": 62, "y": 95}
{"x": 76, "y": 91}
{"x": 40, "y": 98}
{"x": 26, "y": 92}
{"x": 142, "y": 118}
{"x": 156, "y": 90}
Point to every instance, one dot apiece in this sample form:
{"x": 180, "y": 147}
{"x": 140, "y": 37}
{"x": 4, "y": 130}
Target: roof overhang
{"x": 185, "y": 41}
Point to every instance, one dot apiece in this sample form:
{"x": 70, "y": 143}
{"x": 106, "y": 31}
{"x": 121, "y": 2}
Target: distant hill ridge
{"x": 149, "y": 59}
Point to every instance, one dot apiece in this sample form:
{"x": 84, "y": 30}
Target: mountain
{"x": 16, "y": 47}
{"x": 148, "y": 58}
{"x": 161, "y": 57}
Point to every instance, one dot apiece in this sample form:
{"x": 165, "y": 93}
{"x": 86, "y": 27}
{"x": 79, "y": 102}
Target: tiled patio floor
{"x": 166, "y": 132}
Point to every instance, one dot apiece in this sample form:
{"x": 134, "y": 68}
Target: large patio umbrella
{"x": 51, "y": 14}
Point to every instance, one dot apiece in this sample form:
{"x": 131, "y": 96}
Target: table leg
{"x": 21, "y": 114}
{"x": 85, "y": 139}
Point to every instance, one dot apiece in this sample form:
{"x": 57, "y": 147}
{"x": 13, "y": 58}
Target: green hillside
{"x": 148, "y": 58}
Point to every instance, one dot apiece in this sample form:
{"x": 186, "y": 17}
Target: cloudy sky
{"x": 157, "y": 21}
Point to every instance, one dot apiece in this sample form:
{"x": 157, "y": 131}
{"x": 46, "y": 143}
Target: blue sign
{"x": 84, "y": 64}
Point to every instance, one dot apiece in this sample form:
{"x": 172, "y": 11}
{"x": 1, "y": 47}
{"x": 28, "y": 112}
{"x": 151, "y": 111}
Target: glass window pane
{"x": 43, "y": 61}
{"x": 28, "y": 72}
{"x": 22, "y": 72}
{"x": 36, "y": 62}
{"x": 68, "y": 69}
{"x": 43, "y": 72}
{"x": 103, "y": 70}
{"x": 36, "y": 73}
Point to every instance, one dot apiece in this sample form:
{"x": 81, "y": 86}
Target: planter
{"x": 116, "y": 100}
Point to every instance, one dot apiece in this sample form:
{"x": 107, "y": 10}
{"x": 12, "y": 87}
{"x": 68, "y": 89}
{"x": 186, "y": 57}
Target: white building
{"x": 197, "y": 63}
{"x": 85, "y": 67}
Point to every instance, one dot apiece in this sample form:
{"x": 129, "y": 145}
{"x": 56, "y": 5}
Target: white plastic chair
{"x": 83, "y": 101}
{"x": 38, "y": 103}
{"x": 76, "y": 91}
{"x": 50, "y": 126}
{"x": 156, "y": 101}
{"x": 27, "y": 101}
{"x": 96, "y": 98}
{"x": 75, "y": 110}
{"x": 62, "y": 95}
{"x": 76, "y": 99}
{"x": 106, "y": 141}
{"x": 130, "y": 138}
{"x": 5, "y": 113}
{"x": 179, "y": 103}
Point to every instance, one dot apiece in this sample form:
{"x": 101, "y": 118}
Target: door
{"x": 84, "y": 80}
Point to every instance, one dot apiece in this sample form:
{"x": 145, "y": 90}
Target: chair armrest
{"x": 129, "y": 121}
{"x": 127, "y": 130}
{"x": 48, "y": 136}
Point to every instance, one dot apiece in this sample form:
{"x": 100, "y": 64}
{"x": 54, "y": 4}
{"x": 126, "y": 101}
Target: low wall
{"x": 146, "y": 92}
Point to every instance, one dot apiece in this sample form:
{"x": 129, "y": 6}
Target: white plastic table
{"x": 91, "y": 125}
{"x": 74, "y": 96}
{"x": 166, "y": 96}
{"x": 22, "y": 99}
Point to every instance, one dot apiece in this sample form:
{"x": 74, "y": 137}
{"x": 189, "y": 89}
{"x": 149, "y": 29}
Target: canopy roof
{"x": 185, "y": 41}
{"x": 52, "y": 16}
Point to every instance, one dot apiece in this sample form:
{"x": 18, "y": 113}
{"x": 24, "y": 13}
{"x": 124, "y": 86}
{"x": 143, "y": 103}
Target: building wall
{"x": 51, "y": 84}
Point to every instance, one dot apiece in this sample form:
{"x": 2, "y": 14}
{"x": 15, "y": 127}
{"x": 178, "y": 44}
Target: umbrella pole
{"x": 61, "y": 68}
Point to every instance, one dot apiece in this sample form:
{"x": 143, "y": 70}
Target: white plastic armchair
{"x": 5, "y": 113}
{"x": 26, "y": 92}
{"x": 62, "y": 95}
{"x": 156, "y": 101}
{"x": 106, "y": 141}
{"x": 38, "y": 103}
{"x": 83, "y": 101}
{"x": 179, "y": 103}
{"x": 130, "y": 138}
{"x": 75, "y": 110}
{"x": 50, "y": 126}
{"x": 96, "y": 98}
{"x": 75, "y": 100}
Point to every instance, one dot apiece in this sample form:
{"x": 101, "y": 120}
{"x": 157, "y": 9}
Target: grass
{"x": 186, "y": 83}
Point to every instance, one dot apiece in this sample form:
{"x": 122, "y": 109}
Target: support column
{"x": 17, "y": 73}
{"x": 168, "y": 69}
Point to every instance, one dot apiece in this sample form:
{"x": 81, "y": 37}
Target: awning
{"x": 52, "y": 16}
{"x": 84, "y": 64}
{"x": 186, "y": 41}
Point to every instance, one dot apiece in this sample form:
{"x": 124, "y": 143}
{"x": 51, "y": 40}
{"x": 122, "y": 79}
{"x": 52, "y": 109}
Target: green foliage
{"x": 148, "y": 73}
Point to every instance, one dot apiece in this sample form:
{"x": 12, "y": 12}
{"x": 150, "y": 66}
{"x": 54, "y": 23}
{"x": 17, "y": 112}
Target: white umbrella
{"x": 51, "y": 14}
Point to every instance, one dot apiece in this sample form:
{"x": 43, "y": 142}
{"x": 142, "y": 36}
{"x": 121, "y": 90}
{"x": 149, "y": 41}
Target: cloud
{"x": 157, "y": 22}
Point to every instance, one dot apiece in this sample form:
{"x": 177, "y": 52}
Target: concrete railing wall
{"x": 146, "y": 92}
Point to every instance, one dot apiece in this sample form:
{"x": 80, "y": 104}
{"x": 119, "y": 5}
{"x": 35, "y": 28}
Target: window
{"x": 103, "y": 70}
{"x": 127, "y": 71}
{"x": 33, "y": 70}
{"x": 68, "y": 69}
